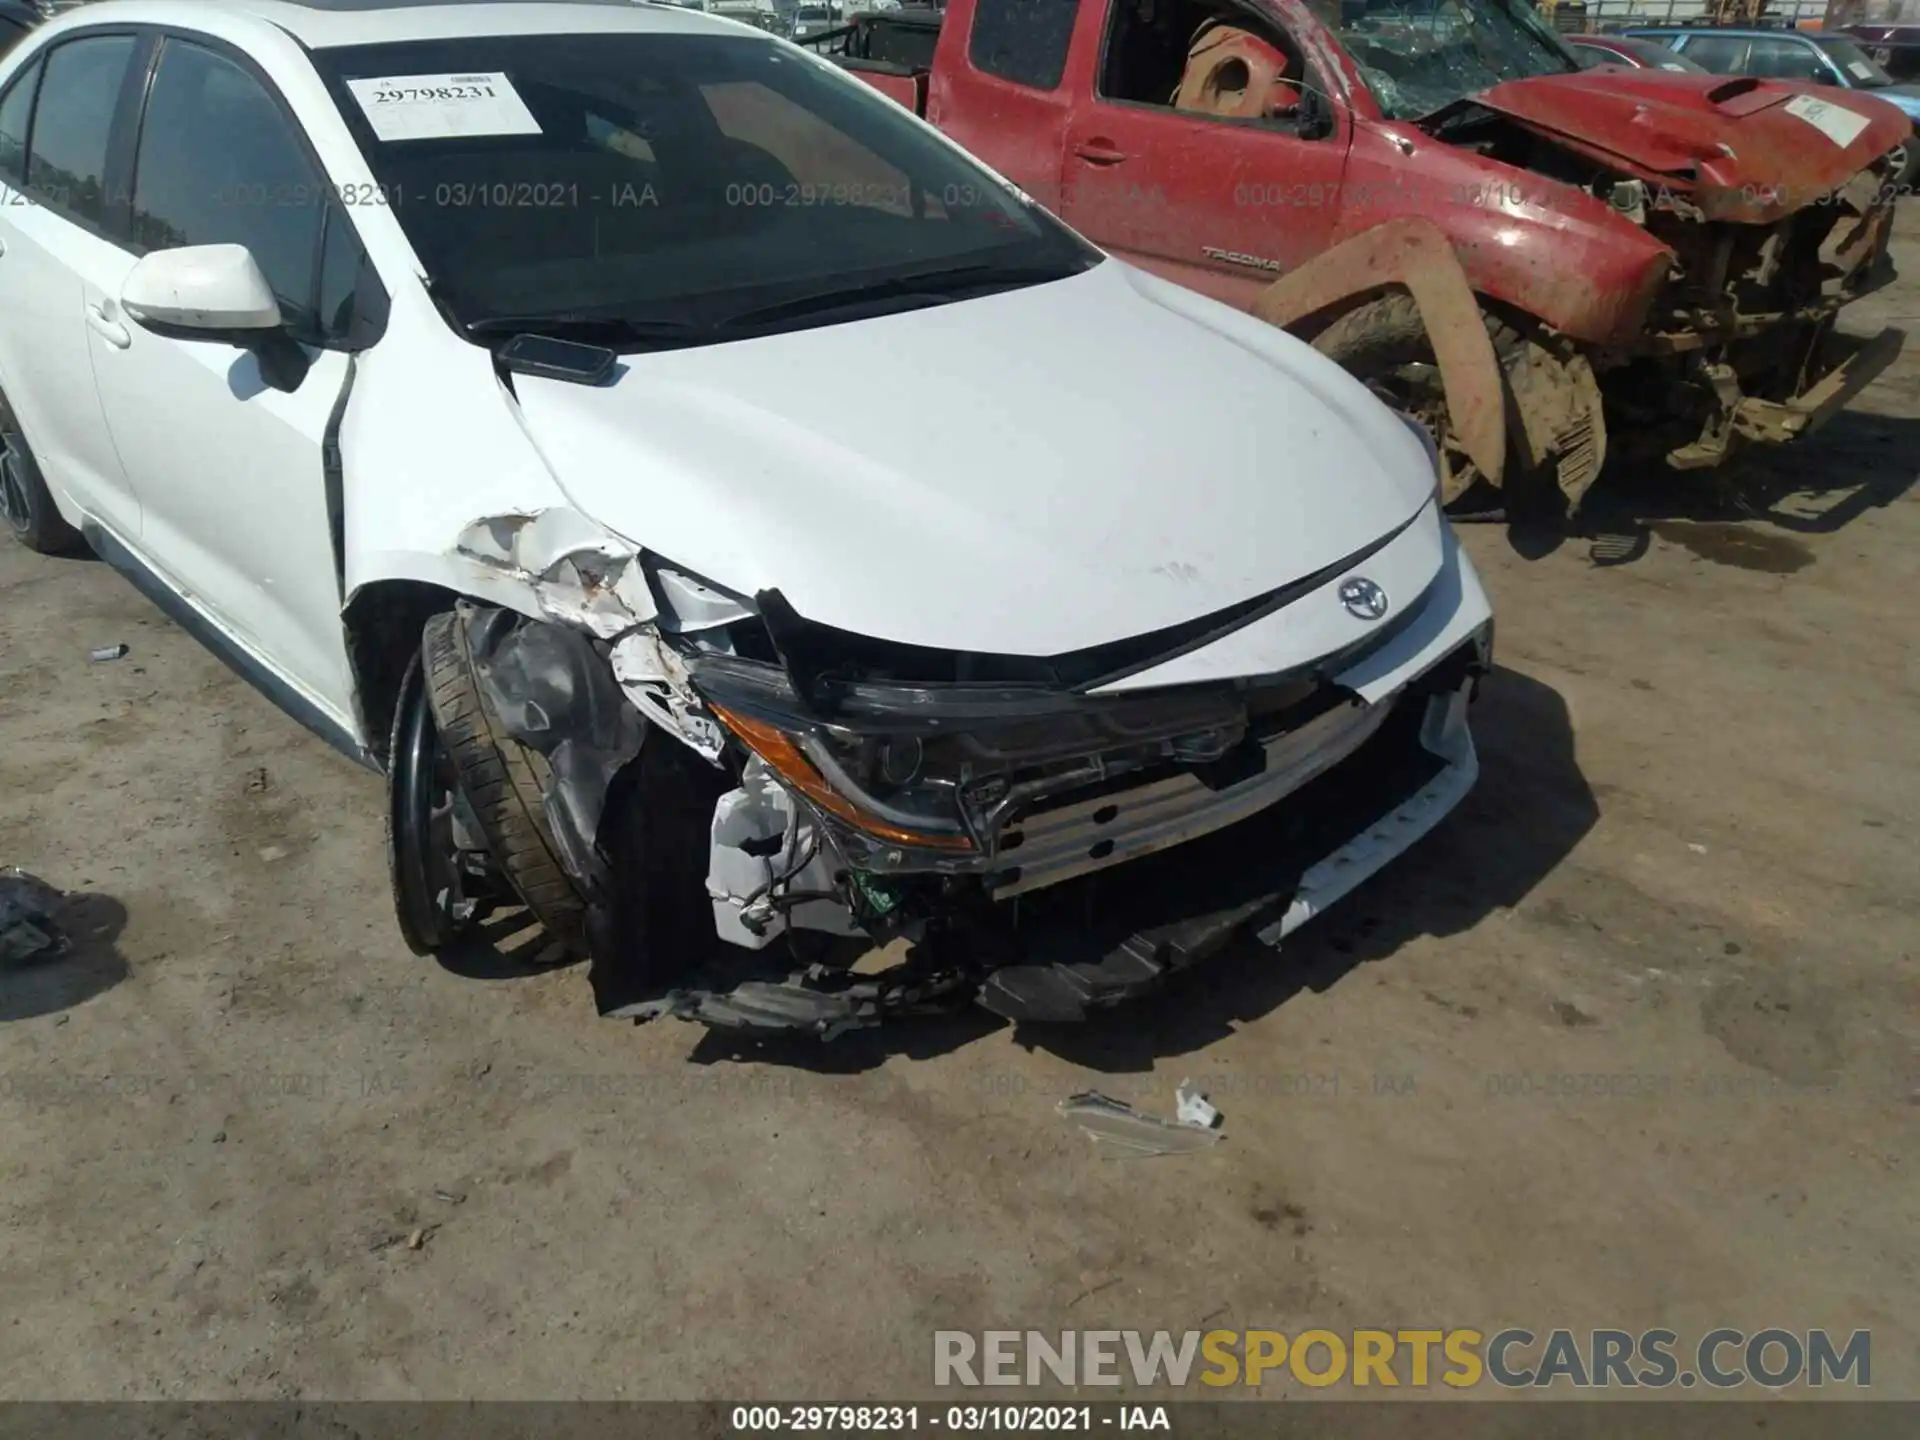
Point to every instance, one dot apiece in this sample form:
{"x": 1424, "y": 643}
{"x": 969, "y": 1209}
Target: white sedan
{"x": 720, "y": 506}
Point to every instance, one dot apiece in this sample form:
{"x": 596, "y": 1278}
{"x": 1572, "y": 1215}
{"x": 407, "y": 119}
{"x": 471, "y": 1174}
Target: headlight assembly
{"x": 942, "y": 767}
{"x": 874, "y": 783}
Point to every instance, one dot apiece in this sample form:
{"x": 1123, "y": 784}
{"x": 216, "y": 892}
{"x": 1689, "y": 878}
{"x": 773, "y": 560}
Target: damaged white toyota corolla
{"x": 724, "y": 510}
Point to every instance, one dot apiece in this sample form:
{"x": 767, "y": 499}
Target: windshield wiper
{"x": 934, "y": 286}
{"x": 607, "y": 330}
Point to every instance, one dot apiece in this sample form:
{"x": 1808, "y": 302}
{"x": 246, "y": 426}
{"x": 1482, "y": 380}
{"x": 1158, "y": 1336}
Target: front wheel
{"x": 432, "y": 875}
{"x": 1385, "y": 344}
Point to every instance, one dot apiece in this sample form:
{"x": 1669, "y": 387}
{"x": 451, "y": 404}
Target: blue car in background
{"x": 1812, "y": 56}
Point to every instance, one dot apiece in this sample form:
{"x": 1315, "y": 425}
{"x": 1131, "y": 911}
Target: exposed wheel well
{"x": 383, "y": 623}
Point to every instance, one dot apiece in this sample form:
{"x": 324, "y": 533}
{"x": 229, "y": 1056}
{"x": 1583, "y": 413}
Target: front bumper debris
{"x": 1087, "y": 943}
{"x": 1774, "y": 423}
{"x": 1748, "y": 418}
{"x": 1283, "y": 898}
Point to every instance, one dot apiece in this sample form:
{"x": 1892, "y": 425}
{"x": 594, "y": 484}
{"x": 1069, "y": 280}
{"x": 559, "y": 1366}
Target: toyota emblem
{"x": 1364, "y": 599}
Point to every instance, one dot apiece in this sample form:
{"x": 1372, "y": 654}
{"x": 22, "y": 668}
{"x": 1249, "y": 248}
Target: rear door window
{"x": 16, "y": 110}
{"x": 72, "y": 122}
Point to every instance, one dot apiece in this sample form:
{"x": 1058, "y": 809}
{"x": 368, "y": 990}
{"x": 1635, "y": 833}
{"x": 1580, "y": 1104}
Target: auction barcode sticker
{"x": 1836, "y": 122}
{"x": 441, "y": 107}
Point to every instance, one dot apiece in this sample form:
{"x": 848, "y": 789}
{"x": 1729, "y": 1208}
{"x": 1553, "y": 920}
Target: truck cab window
{"x": 1203, "y": 58}
{"x": 785, "y": 155}
{"x": 1024, "y": 41}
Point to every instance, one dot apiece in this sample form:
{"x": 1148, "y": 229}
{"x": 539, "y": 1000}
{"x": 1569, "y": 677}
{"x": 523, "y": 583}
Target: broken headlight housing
{"x": 940, "y": 768}
{"x": 821, "y": 764}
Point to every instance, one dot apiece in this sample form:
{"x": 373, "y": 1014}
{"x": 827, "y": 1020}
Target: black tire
{"x": 503, "y": 779}
{"x": 414, "y": 870}
{"x": 1385, "y": 343}
{"x": 25, "y": 505}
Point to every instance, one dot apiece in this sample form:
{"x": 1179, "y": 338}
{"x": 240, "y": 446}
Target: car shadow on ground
{"x": 1529, "y": 809}
{"x": 50, "y": 982}
{"x": 1857, "y": 463}
{"x": 509, "y": 944}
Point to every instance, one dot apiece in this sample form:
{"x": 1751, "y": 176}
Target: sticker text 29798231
{"x": 438, "y": 92}
{"x": 442, "y": 107}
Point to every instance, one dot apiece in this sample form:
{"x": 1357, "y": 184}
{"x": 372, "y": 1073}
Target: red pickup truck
{"x": 1656, "y": 255}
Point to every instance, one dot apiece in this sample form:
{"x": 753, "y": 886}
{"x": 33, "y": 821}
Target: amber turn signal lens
{"x": 776, "y": 747}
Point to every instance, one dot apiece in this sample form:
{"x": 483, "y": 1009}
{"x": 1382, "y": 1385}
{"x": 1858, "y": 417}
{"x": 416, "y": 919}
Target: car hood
{"x": 1730, "y": 141}
{"x": 1028, "y": 473}
{"x": 1904, "y": 94}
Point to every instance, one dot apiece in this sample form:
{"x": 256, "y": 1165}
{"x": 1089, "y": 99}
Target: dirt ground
{"x": 1690, "y": 869}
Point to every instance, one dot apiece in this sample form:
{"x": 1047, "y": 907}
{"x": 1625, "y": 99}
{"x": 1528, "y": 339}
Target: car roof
{"x": 1762, "y": 33}
{"x": 326, "y": 24}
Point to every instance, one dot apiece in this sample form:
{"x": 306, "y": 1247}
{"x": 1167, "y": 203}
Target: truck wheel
{"x": 503, "y": 780}
{"x": 1557, "y": 435}
{"x": 25, "y": 504}
{"x": 1384, "y": 342}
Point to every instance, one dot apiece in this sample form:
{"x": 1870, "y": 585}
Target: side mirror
{"x": 1311, "y": 116}
{"x": 206, "y": 291}
{"x": 216, "y": 293}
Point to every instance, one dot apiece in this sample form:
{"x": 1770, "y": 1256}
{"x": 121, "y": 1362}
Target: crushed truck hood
{"x": 1029, "y": 473}
{"x": 1730, "y": 142}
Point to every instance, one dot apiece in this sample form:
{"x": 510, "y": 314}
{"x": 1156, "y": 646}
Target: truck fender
{"x": 1414, "y": 254}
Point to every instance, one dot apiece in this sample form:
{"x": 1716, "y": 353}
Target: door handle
{"x": 1100, "y": 152}
{"x": 111, "y": 331}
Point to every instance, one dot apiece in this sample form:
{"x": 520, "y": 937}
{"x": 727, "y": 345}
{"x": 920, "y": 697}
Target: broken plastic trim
{"x": 581, "y": 573}
{"x": 1195, "y": 1126}
{"x": 576, "y": 571}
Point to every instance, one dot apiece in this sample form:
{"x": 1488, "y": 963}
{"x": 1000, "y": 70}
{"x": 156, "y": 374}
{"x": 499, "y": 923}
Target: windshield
{"x": 1420, "y": 55}
{"x": 1862, "y": 72}
{"x": 670, "y": 180}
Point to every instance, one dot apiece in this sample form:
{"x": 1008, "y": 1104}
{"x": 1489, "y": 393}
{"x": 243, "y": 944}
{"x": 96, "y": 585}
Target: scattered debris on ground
{"x": 29, "y": 930}
{"x": 1193, "y": 1108}
{"x": 1195, "y": 1126}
